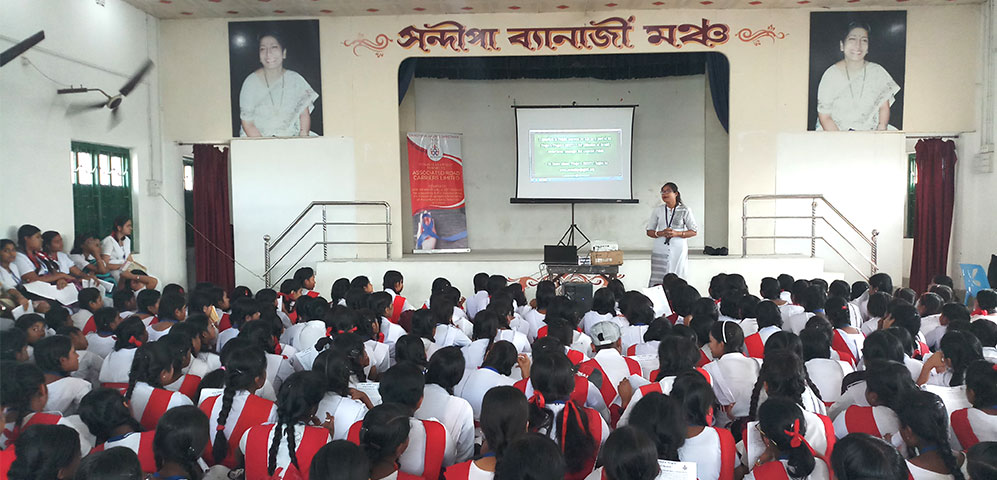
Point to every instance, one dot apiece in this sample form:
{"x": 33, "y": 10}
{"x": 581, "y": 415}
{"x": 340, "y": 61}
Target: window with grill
{"x": 910, "y": 222}
{"x": 102, "y": 188}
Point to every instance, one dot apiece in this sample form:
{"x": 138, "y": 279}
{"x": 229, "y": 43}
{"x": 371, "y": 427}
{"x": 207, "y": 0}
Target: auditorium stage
{"x": 524, "y": 266}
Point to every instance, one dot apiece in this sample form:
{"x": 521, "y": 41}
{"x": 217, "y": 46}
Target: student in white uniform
{"x": 924, "y": 430}
{"x": 129, "y": 335}
{"x": 603, "y": 310}
{"x": 393, "y": 284}
{"x": 813, "y": 301}
{"x": 346, "y": 404}
{"x": 172, "y": 309}
{"x": 404, "y": 384}
{"x": 950, "y": 312}
{"x": 846, "y": 340}
{"x": 985, "y": 305}
{"x": 25, "y": 404}
{"x": 501, "y": 305}
{"x": 987, "y": 333}
{"x": 279, "y": 366}
{"x": 677, "y": 355}
{"x": 154, "y": 366}
{"x": 947, "y": 367}
{"x": 638, "y": 311}
{"x": 102, "y": 341}
{"x": 384, "y": 437}
{"x": 446, "y": 369}
{"x": 784, "y": 375}
{"x": 57, "y": 357}
{"x": 768, "y": 321}
{"x": 877, "y": 307}
{"x": 827, "y": 374}
{"x": 887, "y": 386}
{"x": 116, "y": 248}
{"x": 866, "y": 456}
{"x": 784, "y": 429}
{"x": 545, "y": 295}
{"x": 505, "y": 414}
{"x": 485, "y": 332}
{"x": 244, "y": 310}
{"x": 446, "y": 334}
{"x": 106, "y": 414}
{"x": 89, "y": 300}
{"x": 476, "y": 302}
{"x": 629, "y": 453}
{"x": 703, "y": 441}
{"x": 929, "y": 307}
{"x": 52, "y": 247}
{"x": 609, "y": 362}
{"x": 978, "y": 423}
{"x": 381, "y": 304}
{"x": 495, "y": 371}
{"x": 33, "y": 264}
{"x": 734, "y": 375}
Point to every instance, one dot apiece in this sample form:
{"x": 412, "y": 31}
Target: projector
{"x": 604, "y": 246}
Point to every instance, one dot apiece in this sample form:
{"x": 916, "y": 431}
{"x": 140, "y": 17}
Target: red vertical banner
{"x": 436, "y": 176}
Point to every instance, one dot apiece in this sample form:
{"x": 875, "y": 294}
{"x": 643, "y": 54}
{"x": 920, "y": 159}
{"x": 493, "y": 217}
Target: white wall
{"x": 863, "y": 175}
{"x": 273, "y": 181}
{"x": 97, "y": 46}
{"x": 668, "y": 146}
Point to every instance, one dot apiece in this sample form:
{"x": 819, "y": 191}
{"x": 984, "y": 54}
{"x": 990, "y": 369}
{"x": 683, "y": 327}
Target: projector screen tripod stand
{"x": 568, "y": 239}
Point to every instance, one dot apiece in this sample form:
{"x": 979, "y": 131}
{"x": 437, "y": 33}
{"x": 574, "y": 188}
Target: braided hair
{"x": 103, "y": 410}
{"x": 244, "y": 366}
{"x": 504, "y": 414}
{"x": 181, "y": 437}
{"x": 553, "y": 381}
{"x": 337, "y": 370}
{"x": 781, "y": 420}
{"x": 151, "y": 360}
{"x": 925, "y": 415}
{"x": 297, "y": 399}
{"x": 131, "y": 333}
{"x": 784, "y": 374}
{"x": 962, "y": 349}
{"x": 44, "y": 451}
{"x": 486, "y": 324}
{"x": 384, "y": 429}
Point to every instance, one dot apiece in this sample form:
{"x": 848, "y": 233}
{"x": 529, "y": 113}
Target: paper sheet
{"x": 370, "y": 388}
{"x": 676, "y": 470}
{"x": 65, "y": 296}
{"x": 659, "y": 299}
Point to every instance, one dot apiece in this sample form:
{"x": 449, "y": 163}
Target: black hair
{"x": 702, "y": 325}
{"x": 339, "y": 289}
{"x": 240, "y": 291}
{"x": 25, "y": 231}
{"x": 604, "y": 302}
{"x": 181, "y": 436}
{"x": 504, "y": 415}
{"x": 925, "y": 415}
{"x": 384, "y": 428}
{"x": 446, "y": 368}
{"x": 784, "y": 375}
{"x": 986, "y": 332}
{"x": 150, "y": 361}
{"x": 68, "y": 330}
{"x": 43, "y": 451}
{"x": 495, "y": 284}
{"x": 480, "y": 281}
{"x": 839, "y": 288}
{"x": 695, "y": 396}
{"x": 121, "y": 298}
{"x": 297, "y": 399}
{"x": 955, "y": 312}
{"x": 22, "y": 383}
{"x": 564, "y": 307}
{"x": 816, "y": 344}
{"x": 637, "y": 308}
{"x": 531, "y": 457}
{"x": 515, "y": 290}
{"x": 360, "y": 281}
{"x": 103, "y": 410}
{"x": 981, "y": 460}
{"x": 266, "y": 296}
{"x": 931, "y": 302}
{"x": 906, "y": 294}
{"x": 836, "y": 312}
{"x": 730, "y": 334}
{"x": 943, "y": 291}
{"x": 501, "y": 357}
{"x": 658, "y": 329}
{"x": 304, "y": 273}
{"x": 146, "y": 299}
{"x": 906, "y": 317}
{"x": 351, "y": 347}
{"x": 378, "y": 302}
{"x": 115, "y": 463}
{"x": 501, "y": 304}
{"x": 26, "y": 321}
{"x": 104, "y": 317}
{"x": 860, "y": 456}
{"x": 289, "y": 286}
{"x": 337, "y": 370}
{"x": 169, "y": 304}
{"x": 172, "y": 288}
{"x": 629, "y": 454}
{"x": 259, "y": 334}
{"x": 746, "y": 307}
{"x": 890, "y": 382}
{"x": 684, "y": 299}
{"x": 78, "y": 242}
{"x": 785, "y": 281}
{"x": 391, "y": 277}
{"x": 544, "y": 298}
{"x": 410, "y": 349}
{"x": 340, "y": 460}
{"x": 660, "y": 416}
{"x": 981, "y": 378}
{"x": 554, "y": 378}
{"x": 677, "y": 355}
{"x": 987, "y": 299}
{"x": 728, "y": 304}
{"x": 705, "y": 306}
{"x": 243, "y": 366}
{"x": 770, "y": 288}
{"x": 423, "y": 324}
{"x": 486, "y": 325}
{"x": 878, "y": 305}
{"x": 57, "y": 316}
{"x": 777, "y": 419}
{"x": 784, "y": 340}
{"x": 960, "y": 348}
{"x": 87, "y": 296}
{"x": 242, "y": 308}
{"x": 798, "y": 289}
{"x": 403, "y": 384}
{"x": 768, "y": 315}
{"x": 674, "y": 188}
{"x": 12, "y": 342}
{"x": 813, "y": 298}
{"x": 49, "y": 352}
{"x": 858, "y": 289}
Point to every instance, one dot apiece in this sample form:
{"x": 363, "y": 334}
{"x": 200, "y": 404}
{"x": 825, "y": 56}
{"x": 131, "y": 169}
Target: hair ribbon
{"x": 538, "y": 399}
{"x": 134, "y": 341}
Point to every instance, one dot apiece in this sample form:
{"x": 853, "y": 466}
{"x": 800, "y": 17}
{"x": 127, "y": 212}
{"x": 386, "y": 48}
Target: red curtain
{"x": 213, "y": 247}
{"x": 935, "y": 197}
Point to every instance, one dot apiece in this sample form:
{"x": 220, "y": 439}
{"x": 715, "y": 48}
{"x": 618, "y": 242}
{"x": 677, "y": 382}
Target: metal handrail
{"x": 813, "y": 217}
{"x": 269, "y": 247}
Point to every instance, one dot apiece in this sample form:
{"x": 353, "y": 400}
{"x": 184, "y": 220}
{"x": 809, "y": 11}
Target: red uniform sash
{"x": 861, "y": 420}
{"x": 225, "y": 322}
{"x": 755, "y": 346}
{"x": 159, "y": 402}
{"x": 963, "y": 429}
{"x": 145, "y": 454}
{"x": 396, "y": 308}
{"x": 7, "y": 457}
{"x": 840, "y": 345}
{"x": 458, "y": 472}
{"x": 773, "y": 470}
{"x": 726, "y": 454}
{"x": 436, "y": 444}
{"x": 189, "y": 386}
{"x": 254, "y": 412}
{"x": 703, "y": 359}
{"x": 576, "y": 357}
{"x": 90, "y": 326}
{"x": 258, "y": 450}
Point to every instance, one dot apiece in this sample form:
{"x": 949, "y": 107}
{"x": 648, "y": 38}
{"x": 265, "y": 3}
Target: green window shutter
{"x": 910, "y": 224}
{"x": 101, "y": 176}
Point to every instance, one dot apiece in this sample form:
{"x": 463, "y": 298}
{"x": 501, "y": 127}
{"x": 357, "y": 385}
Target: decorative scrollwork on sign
{"x": 381, "y": 41}
{"x": 748, "y": 36}
{"x": 704, "y": 33}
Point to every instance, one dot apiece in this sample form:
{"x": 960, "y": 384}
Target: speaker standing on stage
{"x": 670, "y": 225}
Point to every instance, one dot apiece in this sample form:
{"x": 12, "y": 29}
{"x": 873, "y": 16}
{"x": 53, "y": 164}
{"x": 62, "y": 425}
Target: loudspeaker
{"x": 581, "y": 294}
{"x": 560, "y": 255}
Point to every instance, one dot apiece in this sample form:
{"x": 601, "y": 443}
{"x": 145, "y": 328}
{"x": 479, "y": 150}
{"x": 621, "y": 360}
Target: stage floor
{"x": 525, "y": 267}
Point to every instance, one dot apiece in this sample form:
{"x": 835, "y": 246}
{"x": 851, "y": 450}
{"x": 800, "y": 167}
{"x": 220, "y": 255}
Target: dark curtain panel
{"x": 213, "y": 247}
{"x": 935, "y": 194}
{"x": 718, "y": 71}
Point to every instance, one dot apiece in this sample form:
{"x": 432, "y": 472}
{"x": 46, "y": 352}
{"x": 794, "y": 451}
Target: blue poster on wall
{"x": 975, "y": 277}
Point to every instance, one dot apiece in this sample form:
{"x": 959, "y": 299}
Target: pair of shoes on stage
{"x": 722, "y": 251}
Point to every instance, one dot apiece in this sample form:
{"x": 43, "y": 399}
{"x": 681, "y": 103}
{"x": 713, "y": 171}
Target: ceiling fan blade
{"x": 133, "y": 82}
{"x": 78, "y": 108}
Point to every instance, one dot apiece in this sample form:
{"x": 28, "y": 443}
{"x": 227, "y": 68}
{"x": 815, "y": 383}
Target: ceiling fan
{"x": 112, "y": 102}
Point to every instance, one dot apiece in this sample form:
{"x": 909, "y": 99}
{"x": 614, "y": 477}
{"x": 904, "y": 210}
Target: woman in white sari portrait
{"x": 854, "y": 93}
{"x": 275, "y": 101}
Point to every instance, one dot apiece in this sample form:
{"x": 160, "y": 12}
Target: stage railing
{"x": 270, "y": 246}
{"x": 871, "y": 242}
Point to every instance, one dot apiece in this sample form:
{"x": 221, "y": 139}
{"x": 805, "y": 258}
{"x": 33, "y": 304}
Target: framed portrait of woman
{"x": 857, "y": 70}
{"x": 276, "y": 79}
